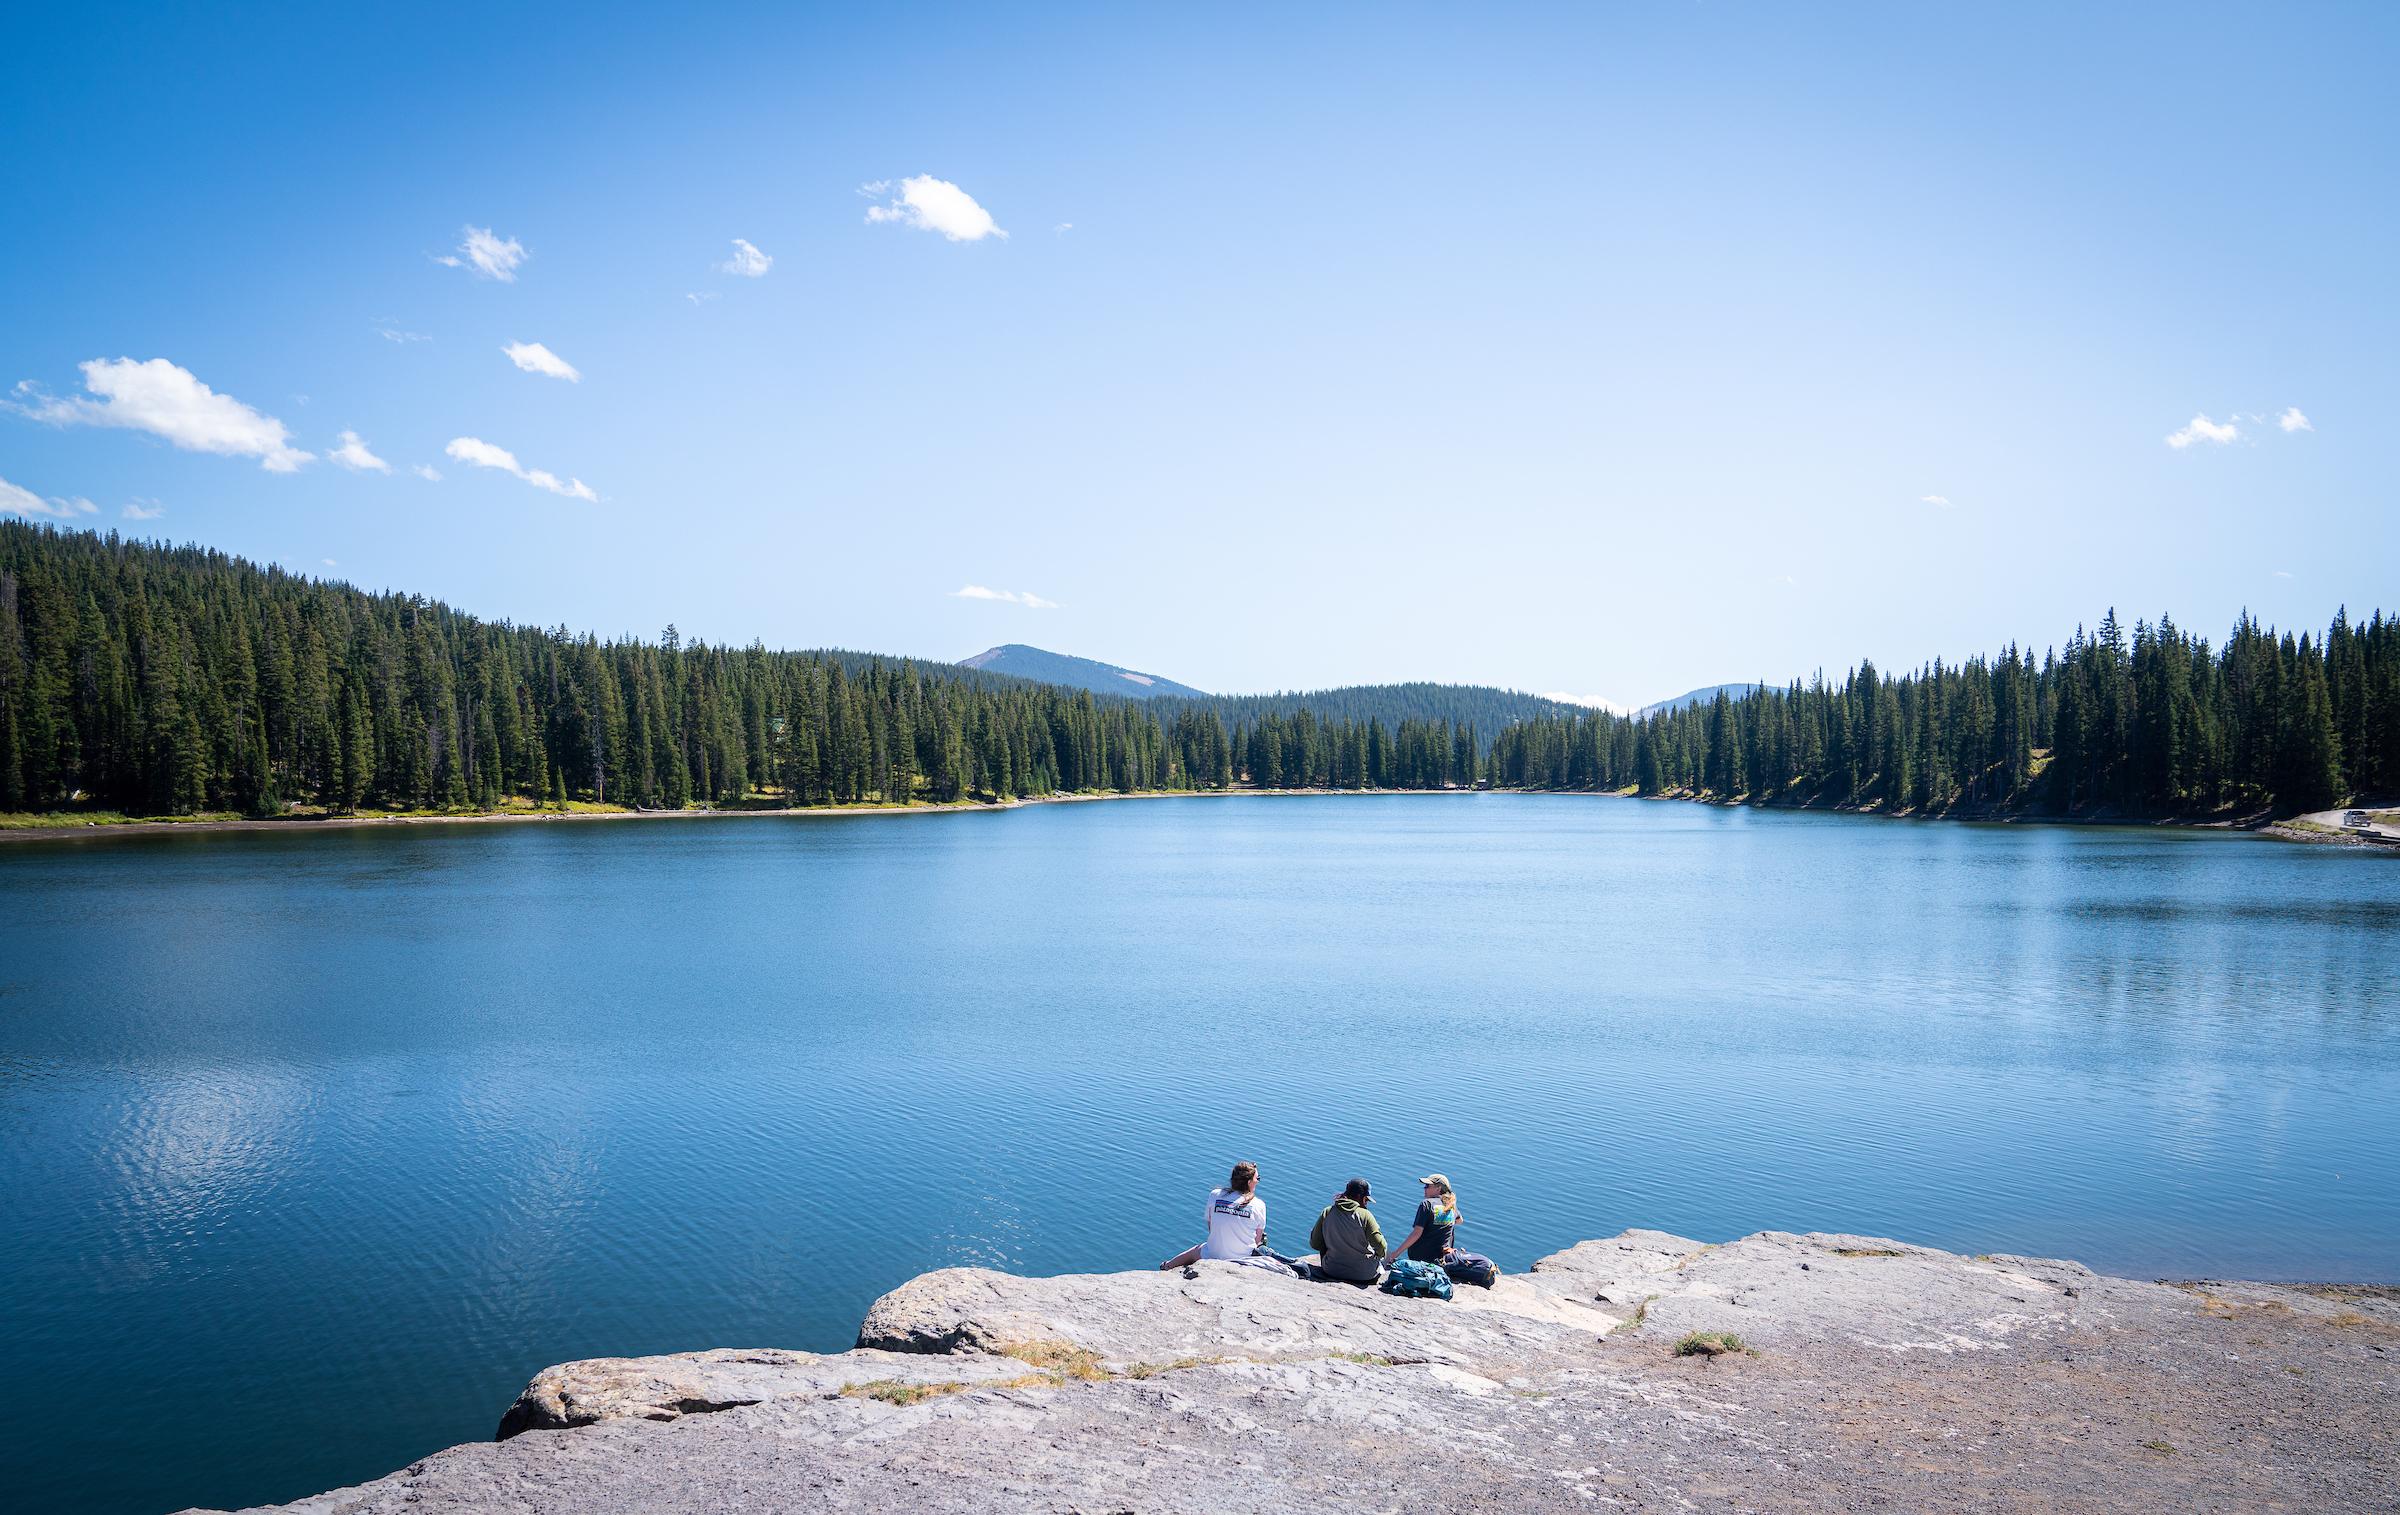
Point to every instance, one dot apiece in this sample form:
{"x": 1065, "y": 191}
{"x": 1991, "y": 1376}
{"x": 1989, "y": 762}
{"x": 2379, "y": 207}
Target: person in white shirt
{"x": 1237, "y": 1222}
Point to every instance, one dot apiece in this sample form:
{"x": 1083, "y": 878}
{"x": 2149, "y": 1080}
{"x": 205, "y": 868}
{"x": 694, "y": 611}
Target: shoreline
{"x": 2310, "y": 828}
{"x": 97, "y": 829}
{"x": 2283, "y": 830}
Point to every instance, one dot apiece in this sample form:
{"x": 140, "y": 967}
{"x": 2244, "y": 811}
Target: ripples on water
{"x": 318, "y": 1146}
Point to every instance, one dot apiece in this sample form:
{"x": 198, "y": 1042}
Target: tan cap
{"x": 1437, "y": 1180}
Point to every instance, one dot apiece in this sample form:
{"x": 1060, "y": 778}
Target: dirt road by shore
{"x": 2332, "y": 827}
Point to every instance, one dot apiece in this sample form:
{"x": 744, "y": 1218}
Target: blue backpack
{"x": 1416, "y": 1280}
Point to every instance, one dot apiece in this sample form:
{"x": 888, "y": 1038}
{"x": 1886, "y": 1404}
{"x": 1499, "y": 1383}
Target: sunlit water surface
{"x": 317, "y": 1146}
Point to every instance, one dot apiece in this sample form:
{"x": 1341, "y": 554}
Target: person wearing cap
{"x": 1348, "y": 1241}
{"x": 1429, "y": 1237}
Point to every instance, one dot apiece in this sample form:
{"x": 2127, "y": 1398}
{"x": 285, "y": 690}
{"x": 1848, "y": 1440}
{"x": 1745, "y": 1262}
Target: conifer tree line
{"x": 2155, "y": 725}
{"x": 173, "y": 680}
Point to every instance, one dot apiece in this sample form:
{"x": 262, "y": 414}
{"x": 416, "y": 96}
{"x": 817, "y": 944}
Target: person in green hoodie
{"x": 1348, "y": 1241}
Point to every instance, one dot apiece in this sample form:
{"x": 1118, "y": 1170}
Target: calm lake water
{"x": 317, "y": 1146}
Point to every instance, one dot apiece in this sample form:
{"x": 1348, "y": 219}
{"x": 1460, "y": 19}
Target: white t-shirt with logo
{"x": 1236, "y": 1222}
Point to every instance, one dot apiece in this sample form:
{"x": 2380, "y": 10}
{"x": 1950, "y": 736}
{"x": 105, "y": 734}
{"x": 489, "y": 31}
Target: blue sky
{"x": 1610, "y": 349}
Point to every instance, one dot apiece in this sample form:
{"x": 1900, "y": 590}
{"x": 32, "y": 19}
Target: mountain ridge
{"x": 1043, "y": 666}
{"x": 1705, "y": 694}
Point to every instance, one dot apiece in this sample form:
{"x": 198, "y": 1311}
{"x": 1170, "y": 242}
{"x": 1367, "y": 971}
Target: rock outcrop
{"x": 1839, "y": 1372}
{"x": 698, "y": 1383}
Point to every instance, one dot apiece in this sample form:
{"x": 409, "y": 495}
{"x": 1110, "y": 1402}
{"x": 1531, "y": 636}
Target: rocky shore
{"x": 1642, "y": 1372}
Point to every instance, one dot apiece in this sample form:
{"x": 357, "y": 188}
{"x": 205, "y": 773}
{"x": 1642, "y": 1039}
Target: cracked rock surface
{"x": 1871, "y": 1375}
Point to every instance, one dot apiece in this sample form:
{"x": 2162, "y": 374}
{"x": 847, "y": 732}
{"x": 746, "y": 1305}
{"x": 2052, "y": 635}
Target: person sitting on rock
{"x": 1348, "y": 1241}
{"x": 1237, "y": 1223}
{"x": 1429, "y": 1238}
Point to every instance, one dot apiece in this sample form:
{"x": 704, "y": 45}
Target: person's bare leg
{"x": 1183, "y": 1259}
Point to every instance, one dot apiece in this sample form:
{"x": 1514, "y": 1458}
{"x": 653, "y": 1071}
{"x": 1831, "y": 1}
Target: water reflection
{"x": 186, "y": 1151}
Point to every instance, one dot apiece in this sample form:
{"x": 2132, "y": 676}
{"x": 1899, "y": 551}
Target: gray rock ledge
{"x": 1872, "y": 1375}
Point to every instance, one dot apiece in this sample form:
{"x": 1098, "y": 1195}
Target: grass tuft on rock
{"x": 1055, "y": 1364}
{"x": 2221, "y": 1308}
{"x": 892, "y": 1391}
{"x": 1063, "y": 1358}
{"x": 1868, "y": 1252}
{"x": 1153, "y": 1369}
{"x": 1712, "y": 1344}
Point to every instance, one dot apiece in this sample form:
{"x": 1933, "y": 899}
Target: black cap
{"x": 1357, "y": 1189}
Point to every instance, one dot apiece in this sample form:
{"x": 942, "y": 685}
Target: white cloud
{"x": 428, "y": 473}
{"x": 1005, "y": 596}
{"x": 2203, "y": 429}
{"x": 392, "y": 331}
{"x": 493, "y": 257}
{"x": 2292, "y": 420}
{"x": 483, "y": 454}
{"x": 533, "y": 357}
{"x": 931, "y": 204}
{"x": 2283, "y": 573}
{"x": 747, "y": 261}
{"x": 699, "y": 297}
{"x": 1590, "y": 702}
{"x": 330, "y": 563}
{"x": 1934, "y": 499}
{"x": 1063, "y": 226}
{"x": 166, "y": 401}
{"x": 143, "y": 510}
{"x": 17, "y": 501}
{"x": 353, "y": 455}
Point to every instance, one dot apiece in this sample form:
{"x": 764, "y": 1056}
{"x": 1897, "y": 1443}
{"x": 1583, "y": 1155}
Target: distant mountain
{"x": 1697, "y": 697}
{"x": 1482, "y": 707}
{"x": 1589, "y": 702}
{"x": 1021, "y": 661}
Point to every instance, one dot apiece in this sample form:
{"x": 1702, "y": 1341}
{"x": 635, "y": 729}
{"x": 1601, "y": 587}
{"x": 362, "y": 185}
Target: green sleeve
{"x": 1316, "y": 1234}
{"x": 1374, "y": 1233}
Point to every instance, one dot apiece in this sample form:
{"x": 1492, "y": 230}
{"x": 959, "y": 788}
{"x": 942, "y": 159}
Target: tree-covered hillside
{"x": 169, "y": 680}
{"x": 1477, "y": 706}
{"x": 2157, "y": 724}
